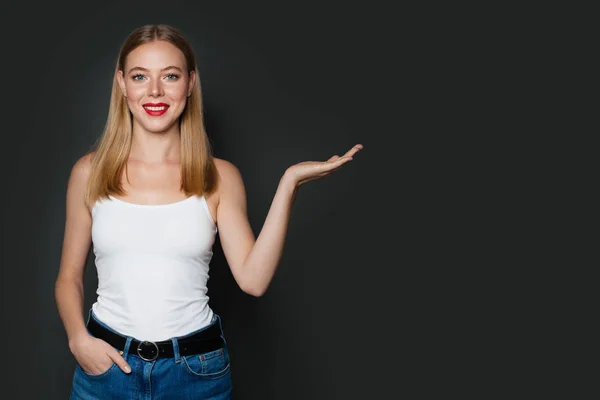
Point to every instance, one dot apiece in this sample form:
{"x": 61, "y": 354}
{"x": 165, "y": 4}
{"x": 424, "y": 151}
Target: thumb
{"x": 119, "y": 360}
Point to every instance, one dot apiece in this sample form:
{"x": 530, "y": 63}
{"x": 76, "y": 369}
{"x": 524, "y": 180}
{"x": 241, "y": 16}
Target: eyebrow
{"x": 164, "y": 69}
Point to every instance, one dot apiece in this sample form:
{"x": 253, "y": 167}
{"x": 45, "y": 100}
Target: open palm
{"x": 309, "y": 170}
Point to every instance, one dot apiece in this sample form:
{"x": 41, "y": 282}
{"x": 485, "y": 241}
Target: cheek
{"x": 135, "y": 92}
{"x": 176, "y": 92}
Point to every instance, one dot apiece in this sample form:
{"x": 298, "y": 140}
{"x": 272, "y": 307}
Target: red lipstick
{"x": 155, "y": 109}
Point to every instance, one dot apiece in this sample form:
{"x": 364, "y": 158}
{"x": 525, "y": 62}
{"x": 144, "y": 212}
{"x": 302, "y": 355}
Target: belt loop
{"x": 126, "y": 349}
{"x": 176, "y": 349}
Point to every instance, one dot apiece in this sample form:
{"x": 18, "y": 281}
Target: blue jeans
{"x": 192, "y": 377}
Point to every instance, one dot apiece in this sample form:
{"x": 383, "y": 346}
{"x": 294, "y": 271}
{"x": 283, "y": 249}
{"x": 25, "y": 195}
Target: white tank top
{"x": 153, "y": 264}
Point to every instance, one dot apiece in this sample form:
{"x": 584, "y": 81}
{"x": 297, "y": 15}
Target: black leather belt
{"x": 204, "y": 341}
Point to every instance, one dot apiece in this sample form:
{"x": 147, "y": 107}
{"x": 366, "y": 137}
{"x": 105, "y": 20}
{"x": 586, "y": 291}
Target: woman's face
{"x": 157, "y": 84}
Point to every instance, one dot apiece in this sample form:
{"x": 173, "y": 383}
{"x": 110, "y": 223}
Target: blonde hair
{"x": 111, "y": 151}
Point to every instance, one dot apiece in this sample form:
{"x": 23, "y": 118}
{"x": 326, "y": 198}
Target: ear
{"x": 192, "y": 82}
{"x": 121, "y": 82}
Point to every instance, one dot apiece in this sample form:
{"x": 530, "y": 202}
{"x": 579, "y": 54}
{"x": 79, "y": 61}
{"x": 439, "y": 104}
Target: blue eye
{"x": 170, "y": 77}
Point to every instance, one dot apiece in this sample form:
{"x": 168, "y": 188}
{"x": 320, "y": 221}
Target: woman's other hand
{"x": 308, "y": 170}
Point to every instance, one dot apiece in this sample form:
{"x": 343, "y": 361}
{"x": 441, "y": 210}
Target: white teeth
{"x": 156, "y": 108}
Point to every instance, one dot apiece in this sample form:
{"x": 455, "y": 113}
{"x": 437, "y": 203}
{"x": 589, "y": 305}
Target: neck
{"x": 155, "y": 147}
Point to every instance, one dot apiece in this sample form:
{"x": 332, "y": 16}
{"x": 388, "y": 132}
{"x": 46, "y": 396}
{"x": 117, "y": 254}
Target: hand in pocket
{"x": 95, "y": 356}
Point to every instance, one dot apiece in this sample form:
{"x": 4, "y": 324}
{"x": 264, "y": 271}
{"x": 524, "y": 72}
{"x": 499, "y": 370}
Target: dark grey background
{"x": 354, "y": 311}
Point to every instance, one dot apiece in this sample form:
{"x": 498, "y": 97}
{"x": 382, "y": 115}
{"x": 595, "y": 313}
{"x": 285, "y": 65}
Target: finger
{"x": 342, "y": 160}
{"x": 334, "y": 169}
{"x": 119, "y": 360}
{"x": 332, "y": 166}
{"x": 354, "y": 150}
{"x": 333, "y": 158}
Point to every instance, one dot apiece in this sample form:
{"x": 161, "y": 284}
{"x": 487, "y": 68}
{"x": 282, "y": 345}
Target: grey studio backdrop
{"x": 280, "y": 86}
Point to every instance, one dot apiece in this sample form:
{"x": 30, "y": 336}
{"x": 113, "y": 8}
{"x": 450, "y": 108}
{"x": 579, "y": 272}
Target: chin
{"x": 157, "y": 129}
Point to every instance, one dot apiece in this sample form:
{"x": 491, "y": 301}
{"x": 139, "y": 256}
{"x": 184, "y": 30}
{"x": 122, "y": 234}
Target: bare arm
{"x": 253, "y": 262}
{"x": 76, "y": 243}
{"x": 263, "y": 259}
{"x": 93, "y": 355}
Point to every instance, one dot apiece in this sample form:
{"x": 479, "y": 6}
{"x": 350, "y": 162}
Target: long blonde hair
{"x": 111, "y": 151}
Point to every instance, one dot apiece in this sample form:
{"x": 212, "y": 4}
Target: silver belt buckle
{"x": 150, "y": 349}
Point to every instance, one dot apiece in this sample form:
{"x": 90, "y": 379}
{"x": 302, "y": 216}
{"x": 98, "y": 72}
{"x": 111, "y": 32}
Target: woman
{"x": 151, "y": 198}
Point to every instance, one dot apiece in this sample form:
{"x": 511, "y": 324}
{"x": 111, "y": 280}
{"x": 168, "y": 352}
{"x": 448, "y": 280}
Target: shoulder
{"x": 83, "y": 165}
{"x": 80, "y": 170}
{"x": 226, "y": 169}
{"x": 230, "y": 177}
{"x": 80, "y": 173}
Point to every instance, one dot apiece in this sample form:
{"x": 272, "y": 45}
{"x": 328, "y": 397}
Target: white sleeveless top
{"x": 153, "y": 264}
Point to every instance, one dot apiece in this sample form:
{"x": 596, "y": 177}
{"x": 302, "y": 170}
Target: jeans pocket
{"x": 101, "y": 374}
{"x": 209, "y": 365}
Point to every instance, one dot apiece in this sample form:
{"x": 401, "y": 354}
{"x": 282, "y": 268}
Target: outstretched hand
{"x": 309, "y": 170}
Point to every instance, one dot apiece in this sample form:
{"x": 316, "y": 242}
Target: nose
{"x": 156, "y": 89}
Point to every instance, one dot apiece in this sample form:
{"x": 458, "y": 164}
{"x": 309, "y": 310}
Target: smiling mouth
{"x": 155, "y": 110}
